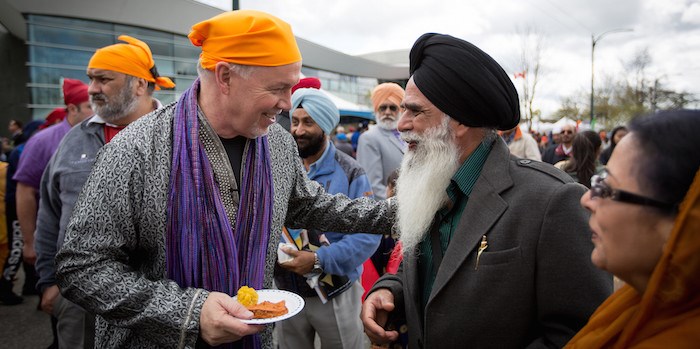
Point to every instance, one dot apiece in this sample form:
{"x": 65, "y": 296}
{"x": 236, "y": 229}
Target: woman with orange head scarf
{"x": 645, "y": 221}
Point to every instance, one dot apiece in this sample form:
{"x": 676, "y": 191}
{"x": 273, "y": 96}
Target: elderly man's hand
{"x": 375, "y": 312}
{"x": 220, "y": 323}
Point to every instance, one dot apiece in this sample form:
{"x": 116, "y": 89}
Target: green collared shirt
{"x": 458, "y": 191}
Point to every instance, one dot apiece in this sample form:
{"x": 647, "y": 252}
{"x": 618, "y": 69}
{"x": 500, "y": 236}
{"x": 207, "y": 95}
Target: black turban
{"x": 464, "y": 82}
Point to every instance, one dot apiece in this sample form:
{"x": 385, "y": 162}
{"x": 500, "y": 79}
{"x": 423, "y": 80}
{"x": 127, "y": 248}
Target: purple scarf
{"x": 203, "y": 250}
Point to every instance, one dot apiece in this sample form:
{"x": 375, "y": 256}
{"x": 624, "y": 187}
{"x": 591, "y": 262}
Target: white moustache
{"x": 409, "y": 137}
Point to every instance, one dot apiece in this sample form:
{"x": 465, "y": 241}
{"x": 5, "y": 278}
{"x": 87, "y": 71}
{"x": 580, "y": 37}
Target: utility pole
{"x": 594, "y": 41}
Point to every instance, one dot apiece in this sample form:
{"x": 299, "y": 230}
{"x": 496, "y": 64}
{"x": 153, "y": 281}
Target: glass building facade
{"x": 353, "y": 89}
{"x": 61, "y": 47}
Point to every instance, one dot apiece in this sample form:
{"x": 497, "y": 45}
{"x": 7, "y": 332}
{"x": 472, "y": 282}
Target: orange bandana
{"x": 133, "y": 59}
{"x": 245, "y": 37}
{"x": 667, "y": 315}
{"x": 388, "y": 90}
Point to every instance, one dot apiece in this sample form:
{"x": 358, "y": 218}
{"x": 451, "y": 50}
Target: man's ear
{"x": 71, "y": 108}
{"x": 459, "y": 129}
{"x": 141, "y": 87}
{"x": 223, "y": 76}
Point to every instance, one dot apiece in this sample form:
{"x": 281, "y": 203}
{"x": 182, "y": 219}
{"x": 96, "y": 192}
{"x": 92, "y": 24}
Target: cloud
{"x": 692, "y": 14}
{"x": 670, "y": 29}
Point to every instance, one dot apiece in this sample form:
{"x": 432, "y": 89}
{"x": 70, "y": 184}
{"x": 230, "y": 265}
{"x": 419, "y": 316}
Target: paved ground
{"x": 22, "y": 326}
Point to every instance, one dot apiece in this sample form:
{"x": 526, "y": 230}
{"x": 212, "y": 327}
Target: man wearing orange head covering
{"x": 380, "y": 150}
{"x": 122, "y": 80}
{"x": 178, "y": 213}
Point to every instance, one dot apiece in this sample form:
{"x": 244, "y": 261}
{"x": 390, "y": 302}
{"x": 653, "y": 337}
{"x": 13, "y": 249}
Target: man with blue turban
{"x": 337, "y": 258}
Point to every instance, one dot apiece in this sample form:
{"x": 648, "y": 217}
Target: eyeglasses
{"x": 600, "y": 189}
{"x": 392, "y": 107}
{"x": 568, "y": 132}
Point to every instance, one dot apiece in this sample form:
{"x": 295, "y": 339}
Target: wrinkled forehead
{"x": 414, "y": 99}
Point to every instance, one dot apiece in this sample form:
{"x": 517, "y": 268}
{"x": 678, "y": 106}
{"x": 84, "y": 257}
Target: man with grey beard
{"x": 380, "y": 150}
{"x": 496, "y": 248}
{"x": 122, "y": 80}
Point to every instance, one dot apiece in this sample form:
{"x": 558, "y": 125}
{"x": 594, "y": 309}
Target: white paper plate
{"x": 293, "y": 301}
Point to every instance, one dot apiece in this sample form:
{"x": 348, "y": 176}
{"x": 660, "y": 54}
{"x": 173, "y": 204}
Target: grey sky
{"x": 670, "y": 29}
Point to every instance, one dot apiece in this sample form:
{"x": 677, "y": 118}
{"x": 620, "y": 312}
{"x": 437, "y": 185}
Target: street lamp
{"x": 594, "y": 40}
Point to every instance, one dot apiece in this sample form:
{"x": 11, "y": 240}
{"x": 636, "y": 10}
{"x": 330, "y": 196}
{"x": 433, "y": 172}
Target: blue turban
{"x": 319, "y": 106}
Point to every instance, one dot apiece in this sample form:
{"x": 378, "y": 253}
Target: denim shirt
{"x": 339, "y": 173}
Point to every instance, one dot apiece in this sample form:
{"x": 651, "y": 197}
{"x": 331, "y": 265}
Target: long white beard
{"x": 387, "y": 123}
{"x": 424, "y": 176}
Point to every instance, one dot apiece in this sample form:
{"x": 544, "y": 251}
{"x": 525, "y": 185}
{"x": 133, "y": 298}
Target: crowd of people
{"x": 441, "y": 225}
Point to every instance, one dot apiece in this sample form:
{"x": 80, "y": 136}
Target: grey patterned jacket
{"x": 113, "y": 260}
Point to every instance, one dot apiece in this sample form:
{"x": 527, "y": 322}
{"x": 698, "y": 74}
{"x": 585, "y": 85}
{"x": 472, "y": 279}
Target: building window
{"x": 61, "y": 47}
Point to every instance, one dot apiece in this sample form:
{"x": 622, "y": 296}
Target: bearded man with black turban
{"x": 495, "y": 248}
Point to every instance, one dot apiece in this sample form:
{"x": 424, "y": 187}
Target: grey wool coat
{"x": 379, "y": 152}
{"x": 113, "y": 260}
{"x": 534, "y": 287}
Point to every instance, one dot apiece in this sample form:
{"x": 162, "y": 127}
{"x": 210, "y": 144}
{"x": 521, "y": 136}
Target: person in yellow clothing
{"x": 648, "y": 235}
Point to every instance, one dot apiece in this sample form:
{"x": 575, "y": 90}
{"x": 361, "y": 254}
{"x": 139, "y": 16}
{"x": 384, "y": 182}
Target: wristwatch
{"x": 317, "y": 269}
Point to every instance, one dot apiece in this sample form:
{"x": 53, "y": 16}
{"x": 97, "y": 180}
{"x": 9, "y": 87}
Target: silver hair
{"x": 244, "y": 71}
{"x": 150, "y": 87}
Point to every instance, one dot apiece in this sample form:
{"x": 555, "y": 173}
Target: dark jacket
{"x": 535, "y": 286}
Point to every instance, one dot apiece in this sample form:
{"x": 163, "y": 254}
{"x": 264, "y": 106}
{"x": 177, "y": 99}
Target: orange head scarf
{"x": 388, "y": 90}
{"x": 133, "y": 58}
{"x": 245, "y": 37}
{"x": 667, "y": 315}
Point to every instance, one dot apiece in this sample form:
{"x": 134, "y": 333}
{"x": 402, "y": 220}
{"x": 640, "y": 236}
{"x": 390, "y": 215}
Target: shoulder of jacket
{"x": 543, "y": 167}
{"x": 277, "y": 134}
{"x": 350, "y": 166}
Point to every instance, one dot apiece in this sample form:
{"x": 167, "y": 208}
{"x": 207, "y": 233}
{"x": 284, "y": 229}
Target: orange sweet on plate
{"x": 266, "y": 310}
{"x": 248, "y": 297}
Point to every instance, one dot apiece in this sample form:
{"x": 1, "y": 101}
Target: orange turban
{"x": 388, "y": 90}
{"x": 133, "y": 58}
{"x": 245, "y": 37}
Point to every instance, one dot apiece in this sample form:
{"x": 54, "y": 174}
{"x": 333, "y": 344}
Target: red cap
{"x": 74, "y": 91}
{"x": 310, "y": 82}
{"x": 56, "y": 116}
